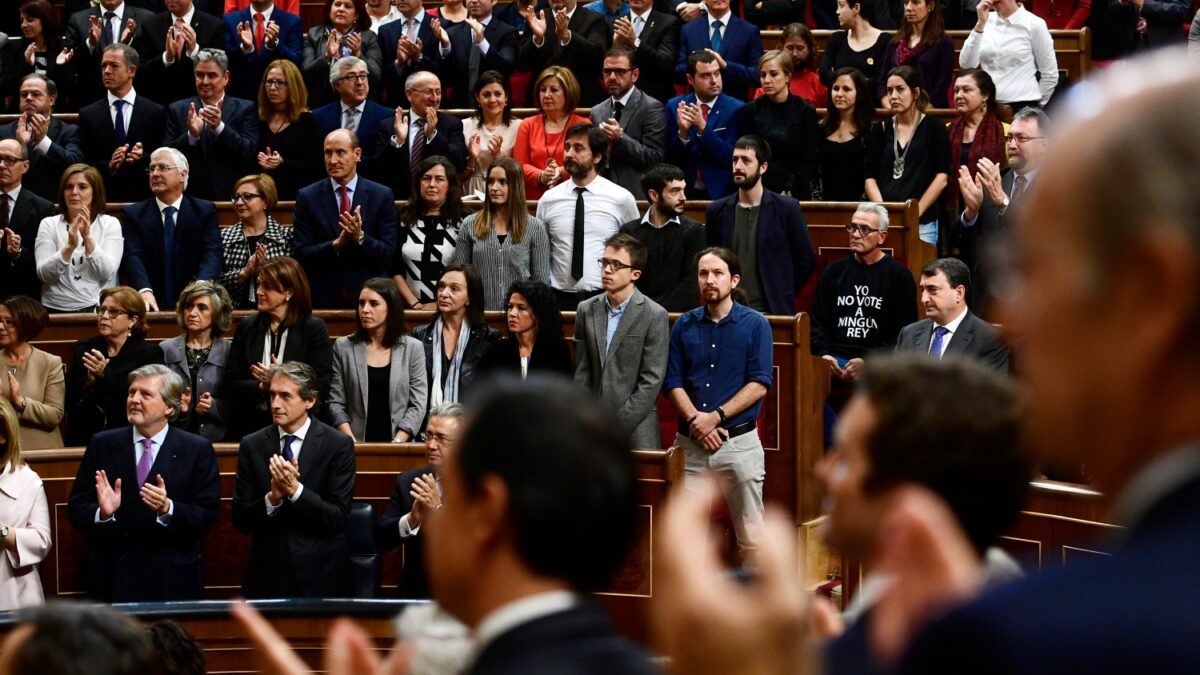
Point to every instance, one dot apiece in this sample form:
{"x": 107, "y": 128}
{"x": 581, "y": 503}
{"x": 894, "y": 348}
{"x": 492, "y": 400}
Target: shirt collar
{"x": 646, "y": 219}
{"x": 620, "y": 308}
{"x": 645, "y": 16}
{"x": 187, "y": 18}
{"x": 157, "y": 439}
{"x": 361, "y": 107}
{"x": 128, "y": 98}
{"x": 162, "y": 205}
{"x": 11, "y": 482}
{"x": 624, "y": 100}
{"x": 266, "y": 14}
{"x": 518, "y": 612}
{"x": 953, "y": 325}
{"x": 301, "y": 433}
{"x": 1029, "y": 176}
{"x": 723, "y": 19}
{"x": 119, "y": 11}
{"x": 350, "y": 184}
{"x": 13, "y": 194}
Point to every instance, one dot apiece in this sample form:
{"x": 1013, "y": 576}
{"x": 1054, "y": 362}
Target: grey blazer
{"x": 208, "y": 381}
{"x": 975, "y": 339}
{"x": 348, "y": 390}
{"x": 642, "y": 144}
{"x": 630, "y": 380}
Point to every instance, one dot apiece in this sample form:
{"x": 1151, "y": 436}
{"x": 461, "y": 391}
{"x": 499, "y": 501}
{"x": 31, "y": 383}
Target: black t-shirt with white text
{"x": 859, "y": 308}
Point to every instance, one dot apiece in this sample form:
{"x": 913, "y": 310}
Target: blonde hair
{"x": 569, "y": 84}
{"x": 12, "y": 431}
{"x": 297, "y": 91}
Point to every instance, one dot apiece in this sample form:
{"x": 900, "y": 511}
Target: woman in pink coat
{"x": 24, "y": 520}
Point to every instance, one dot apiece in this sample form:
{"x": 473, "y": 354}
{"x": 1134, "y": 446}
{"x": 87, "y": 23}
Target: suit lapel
{"x": 127, "y": 464}
{"x": 962, "y": 337}
{"x": 632, "y": 310}
{"x": 635, "y": 99}
{"x": 394, "y": 373}
{"x": 308, "y": 452}
{"x": 166, "y": 457}
{"x": 359, "y": 351}
{"x": 329, "y": 200}
{"x": 597, "y": 315}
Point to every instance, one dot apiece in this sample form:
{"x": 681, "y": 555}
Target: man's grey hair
{"x": 178, "y": 158}
{"x": 1037, "y": 115}
{"x": 342, "y": 65}
{"x": 447, "y": 409}
{"x": 880, "y": 212}
{"x": 171, "y": 388}
{"x": 217, "y": 56}
{"x": 299, "y": 372}
{"x": 130, "y": 54}
{"x": 415, "y": 78}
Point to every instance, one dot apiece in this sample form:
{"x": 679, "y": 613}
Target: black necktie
{"x": 107, "y": 34}
{"x": 168, "y": 255}
{"x": 577, "y": 245}
{"x": 617, "y": 108}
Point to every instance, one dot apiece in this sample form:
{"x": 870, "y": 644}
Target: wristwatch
{"x": 3, "y": 532}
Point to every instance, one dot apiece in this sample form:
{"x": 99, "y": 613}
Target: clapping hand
{"x": 400, "y": 128}
{"x": 271, "y": 35}
{"x": 195, "y": 122}
{"x": 426, "y": 499}
{"x": 439, "y": 32}
{"x": 64, "y": 57}
{"x": 269, "y": 160}
{"x": 260, "y": 372}
{"x": 354, "y": 43}
{"x": 476, "y": 29}
{"x": 623, "y": 32}
{"x": 245, "y": 35}
{"x": 14, "y": 242}
{"x": 14, "y": 391}
{"x": 972, "y": 192}
{"x": 95, "y": 363}
{"x": 537, "y": 23}
{"x": 561, "y": 29}
{"x": 154, "y": 495}
{"x": 108, "y": 497}
{"x": 285, "y": 476}
{"x": 351, "y": 223}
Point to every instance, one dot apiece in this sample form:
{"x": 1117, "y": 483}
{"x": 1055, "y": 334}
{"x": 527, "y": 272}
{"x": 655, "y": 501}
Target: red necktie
{"x": 345, "y": 206}
{"x": 704, "y": 109}
{"x": 259, "y": 20}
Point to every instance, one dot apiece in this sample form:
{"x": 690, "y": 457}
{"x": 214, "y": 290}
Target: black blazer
{"x": 144, "y": 125}
{"x": 88, "y": 85}
{"x": 973, "y": 242}
{"x": 197, "y": 253}
{"x": 975, "y": 339}
{"x": 167, "y": 84}
{"x": 18, "y": 274}
{"x": 480, "y": 340}
{"x": 504, "y": 356}
{"x": 16, "y": 67}
{"x": 102, "y": 405}
{"x": 300, "y": 551}
{"x": 580, "y": 640}
{"x": 133, "y": 558}
{"x": 583, "y": 55}
{"x": 455, "y": 70}
{"x": 391, "y": 166}
{"x": 413, "y": 582}
{"x": 393, "y": 77}
{"x": 46, "y": 170}
{"x": 216, "y": 162}
{"x": 307, "y": 341}
{"x": 655, "y": 54}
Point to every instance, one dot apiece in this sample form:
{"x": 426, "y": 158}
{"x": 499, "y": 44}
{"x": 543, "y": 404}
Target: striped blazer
{"x": 501, "y": 264}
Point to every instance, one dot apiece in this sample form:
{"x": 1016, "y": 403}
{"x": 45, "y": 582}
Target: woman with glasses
{"x": 541, "y": 138}
{"x": 32, "y": 380}
{"x": 348, "y": 33}
{"x": 458, "y": 337}
{"x": 283, "y": 329}
{"x": 429, "y": 226}
{"x": 98, "y": 379}
{"x": 200, "y": 355}
{"x": 24, "y": 519}
{"x": 535, "y": 339}
{"x": 848, "y": 117}
{"x": 254, "y": 239}
{"x": 491, "y": 133}
{"x": 379, "y": 390}
{"x": 287, "y": 131}
{"x": 78, "y": 251}
{"x": 501, "y": 240}
{"x": 788, "y": 124}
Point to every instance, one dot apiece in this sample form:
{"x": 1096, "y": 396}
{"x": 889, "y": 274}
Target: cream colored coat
{"x": 23, "y": 508}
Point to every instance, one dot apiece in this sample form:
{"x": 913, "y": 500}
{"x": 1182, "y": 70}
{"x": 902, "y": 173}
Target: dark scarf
{"x": 989, "y": 142}
{"x": 905, "y": 55}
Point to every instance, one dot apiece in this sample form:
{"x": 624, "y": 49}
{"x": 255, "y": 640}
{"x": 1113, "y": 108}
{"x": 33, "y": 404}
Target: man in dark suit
{"x": 172, "y": 40}
{"x": 672, "y": 241}
{"x": 489, "y": 549}
{"x": 406, "y": 139}
{"x": 256, "y": 36}
{"x": 735, "y": 42}
{"x": 949, "y": 327}
{"x": 654, "y": 38}
{"x": 417, "y": 495}
{"x": 53, "y": 145}
{"x": 345, "y": 227}
{"x": 701, "y": 129}
{"x": 779, "y": 258}
{"x": 352, "y": 110}
{"x": 481, "y": 43}
{"x": 568, "y": 36}
{"x": 632, "y": 120}
{"x": 409, "y": 44}
{"x": 145, "y": 496}
{"x": 21, "y": 212}
{"x": 171, "y": 239}
{"x": 295, "y": 480}
{"x": 121, "y": 130}
{"x": 217, "y": 133}
{"x": 89, "y": 31}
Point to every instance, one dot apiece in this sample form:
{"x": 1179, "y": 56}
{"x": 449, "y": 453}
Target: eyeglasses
{"x": 110, "y": 311}
{"x": 244, "y": 197}
{"x": 615, "y": 71}
{"x": 862, "y": 230}
{"x": 161, "y": 168}
{"x": 616, "y": 265}
{"x": 428, "y": 92}
{"x": 275, "y": 84}
{"x": 9, "y": 160}
{"x": 1022, "y": 139}
{"x": 353, "y": 77}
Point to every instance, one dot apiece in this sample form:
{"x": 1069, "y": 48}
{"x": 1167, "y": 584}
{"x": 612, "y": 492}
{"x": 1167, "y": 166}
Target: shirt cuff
{"x": 271, "y": 508}
{"x": 484, "y": 46}
{"x": 219, "y": 130}
{"x": 296, "y": 495}
{"x": 165, "y": 519}
{"x": 110, "y": 519}
{"x": 196, "y": 50}
{"x": 539, "y": 44}
{"x": 43, "y": 145}
{"x": 971, "y": 222}
{"x": 564, "y": 43}
{"x": 444, "y": 50}
{"x": 407, "y": 530}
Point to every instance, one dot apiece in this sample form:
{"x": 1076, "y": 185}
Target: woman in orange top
{"x": 539, "y": 146}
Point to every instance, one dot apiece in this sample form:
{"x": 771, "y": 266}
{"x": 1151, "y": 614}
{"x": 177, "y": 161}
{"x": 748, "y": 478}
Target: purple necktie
{"x": 143, "y": 467}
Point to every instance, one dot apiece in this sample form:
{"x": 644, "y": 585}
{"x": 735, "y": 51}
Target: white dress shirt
{"x": 1012, "y": 51}
{"x": 187, "y": 18}
{"x": 75, "y": 284}
{"x": 297, "y": 445}
{"x": 392, "y": 15}
{"x": 724, "y": 24}
{"x": 130, "y": 99}
{"x": 633, "y": 23}
{"x": 117, "y": 24}
{"x": 952, "y": 327}
{"x": 266, "y": 20}
{"x": 606, "y": 207}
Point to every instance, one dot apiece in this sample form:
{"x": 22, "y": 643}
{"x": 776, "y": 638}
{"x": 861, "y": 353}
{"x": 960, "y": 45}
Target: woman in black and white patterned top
{"x": 253, "y": 240}
{"x": 429, "y": 230}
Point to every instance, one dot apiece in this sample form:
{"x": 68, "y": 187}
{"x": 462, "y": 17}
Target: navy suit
{"x": 46, "y": 170}
{"x": 300, "y": 551}
{"x": 89, "y": 87}
{"x": 335, "y": 276}
{"x": 392, "y": 166}
{"x": 215, "y": 161}
{"x": 18, "y": 274}
{"x": 197, "y": 253}
{"x": 741, "y": 47}
{"x": 329, "y": 117}
{"x": 785, "y": 253}
{"x": 393, "y": 77}
{"x": 455, "y": 70}
{"x": 583, "y": 55}
{"x": 655, "y": 55}
{"x": 168, "y": 84}
{"x": 248, "y": 69}
{"x": 133, "y": 558}
{"x": 710, "y": 153}
{"x": 413, "y": 582}
{"x": 144, "y": 125}
{"x": 975, "y": 339}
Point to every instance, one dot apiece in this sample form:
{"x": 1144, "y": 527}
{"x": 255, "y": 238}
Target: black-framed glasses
{"x": 110, "y": 311}
{"x": 616, "y": 265}
{"x": 616, "y": 71}
{"x": 244, "y": 197}
{"x": 353, "y": 77}
{"x": 862, "y": 230}
{"x": 9, "y": 160}
{"x": 275, "y": 84}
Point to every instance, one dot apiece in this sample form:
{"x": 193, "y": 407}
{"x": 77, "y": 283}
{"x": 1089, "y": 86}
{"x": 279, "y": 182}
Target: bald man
{"x": 416, "y": 134}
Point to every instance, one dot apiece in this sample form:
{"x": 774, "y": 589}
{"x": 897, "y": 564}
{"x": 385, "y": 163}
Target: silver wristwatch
{"x": 3, "y": 532}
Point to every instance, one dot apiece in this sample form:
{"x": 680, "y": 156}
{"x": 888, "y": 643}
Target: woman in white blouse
{"x": 24, "y": 520}
{"x": 1014, "y": 46}
{"x": 79, "y": 250}
{"x": 490, "y": 134}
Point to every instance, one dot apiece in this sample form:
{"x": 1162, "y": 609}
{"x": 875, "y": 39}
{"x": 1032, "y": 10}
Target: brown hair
{"x": 29, "y": 317}
{"x": 781, "y": 57}
{"x": 362, "y": 20}
{"x": 265, "y": 185}
{"x": 801, "y": 31}
{"x": 285, "y": 274}
{"x": 933, "y": 31}
{"x": 222, "y": 305}
{"x": 297, "y": 92}
{"x": 518, "y": 214}
{"x": 94, "y": 179}
{"x": 569, "y": 84}
{"x": 131, "y": 301}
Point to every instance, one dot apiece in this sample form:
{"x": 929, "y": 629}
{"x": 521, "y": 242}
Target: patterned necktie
{"x": 119, "y": 125}
{"x": 169, "y": 255}
{"x": 716, "y": 36}
{"x": 259, "y": 30}
{"x": 577, "y": 243}
{"x": 638, "y": 24}
{"x": 287, "y": 447}
{"x": 1019, "y": 186}
{"x": 144, "y": 464}
{"x": 417, "y": 147}
{"x": 939, "y": 336}
{"x": 106, "y": 37}
{"x": 351, "y": 120}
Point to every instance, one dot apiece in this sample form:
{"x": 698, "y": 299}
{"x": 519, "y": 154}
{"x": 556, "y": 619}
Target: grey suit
{"x": 630, "y": 379}
{"x": 407, "y": 385}
{"x": 208, "y": 381}
{"x": 975, "y": 339}
{"x": 641, "y": 146}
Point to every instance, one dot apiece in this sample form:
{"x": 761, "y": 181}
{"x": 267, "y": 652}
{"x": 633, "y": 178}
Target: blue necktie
{"x": 287, "y": 447}
{"x": 716, "y": 36}
{"x": 168, "y": 257}
{"x": 120, "y": 124}
{"x": 107, "y": 34}
{"x": 935, "y": 350}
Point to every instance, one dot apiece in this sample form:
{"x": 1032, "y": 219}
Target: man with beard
{"x": 766, "y": 231}
{"x": 632, "y": 120}
{"x": 718, "y": 370}
{"x": 672, "y": 241}
{"x": 580, "y": 215}
{"x": 53, "y": 144}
